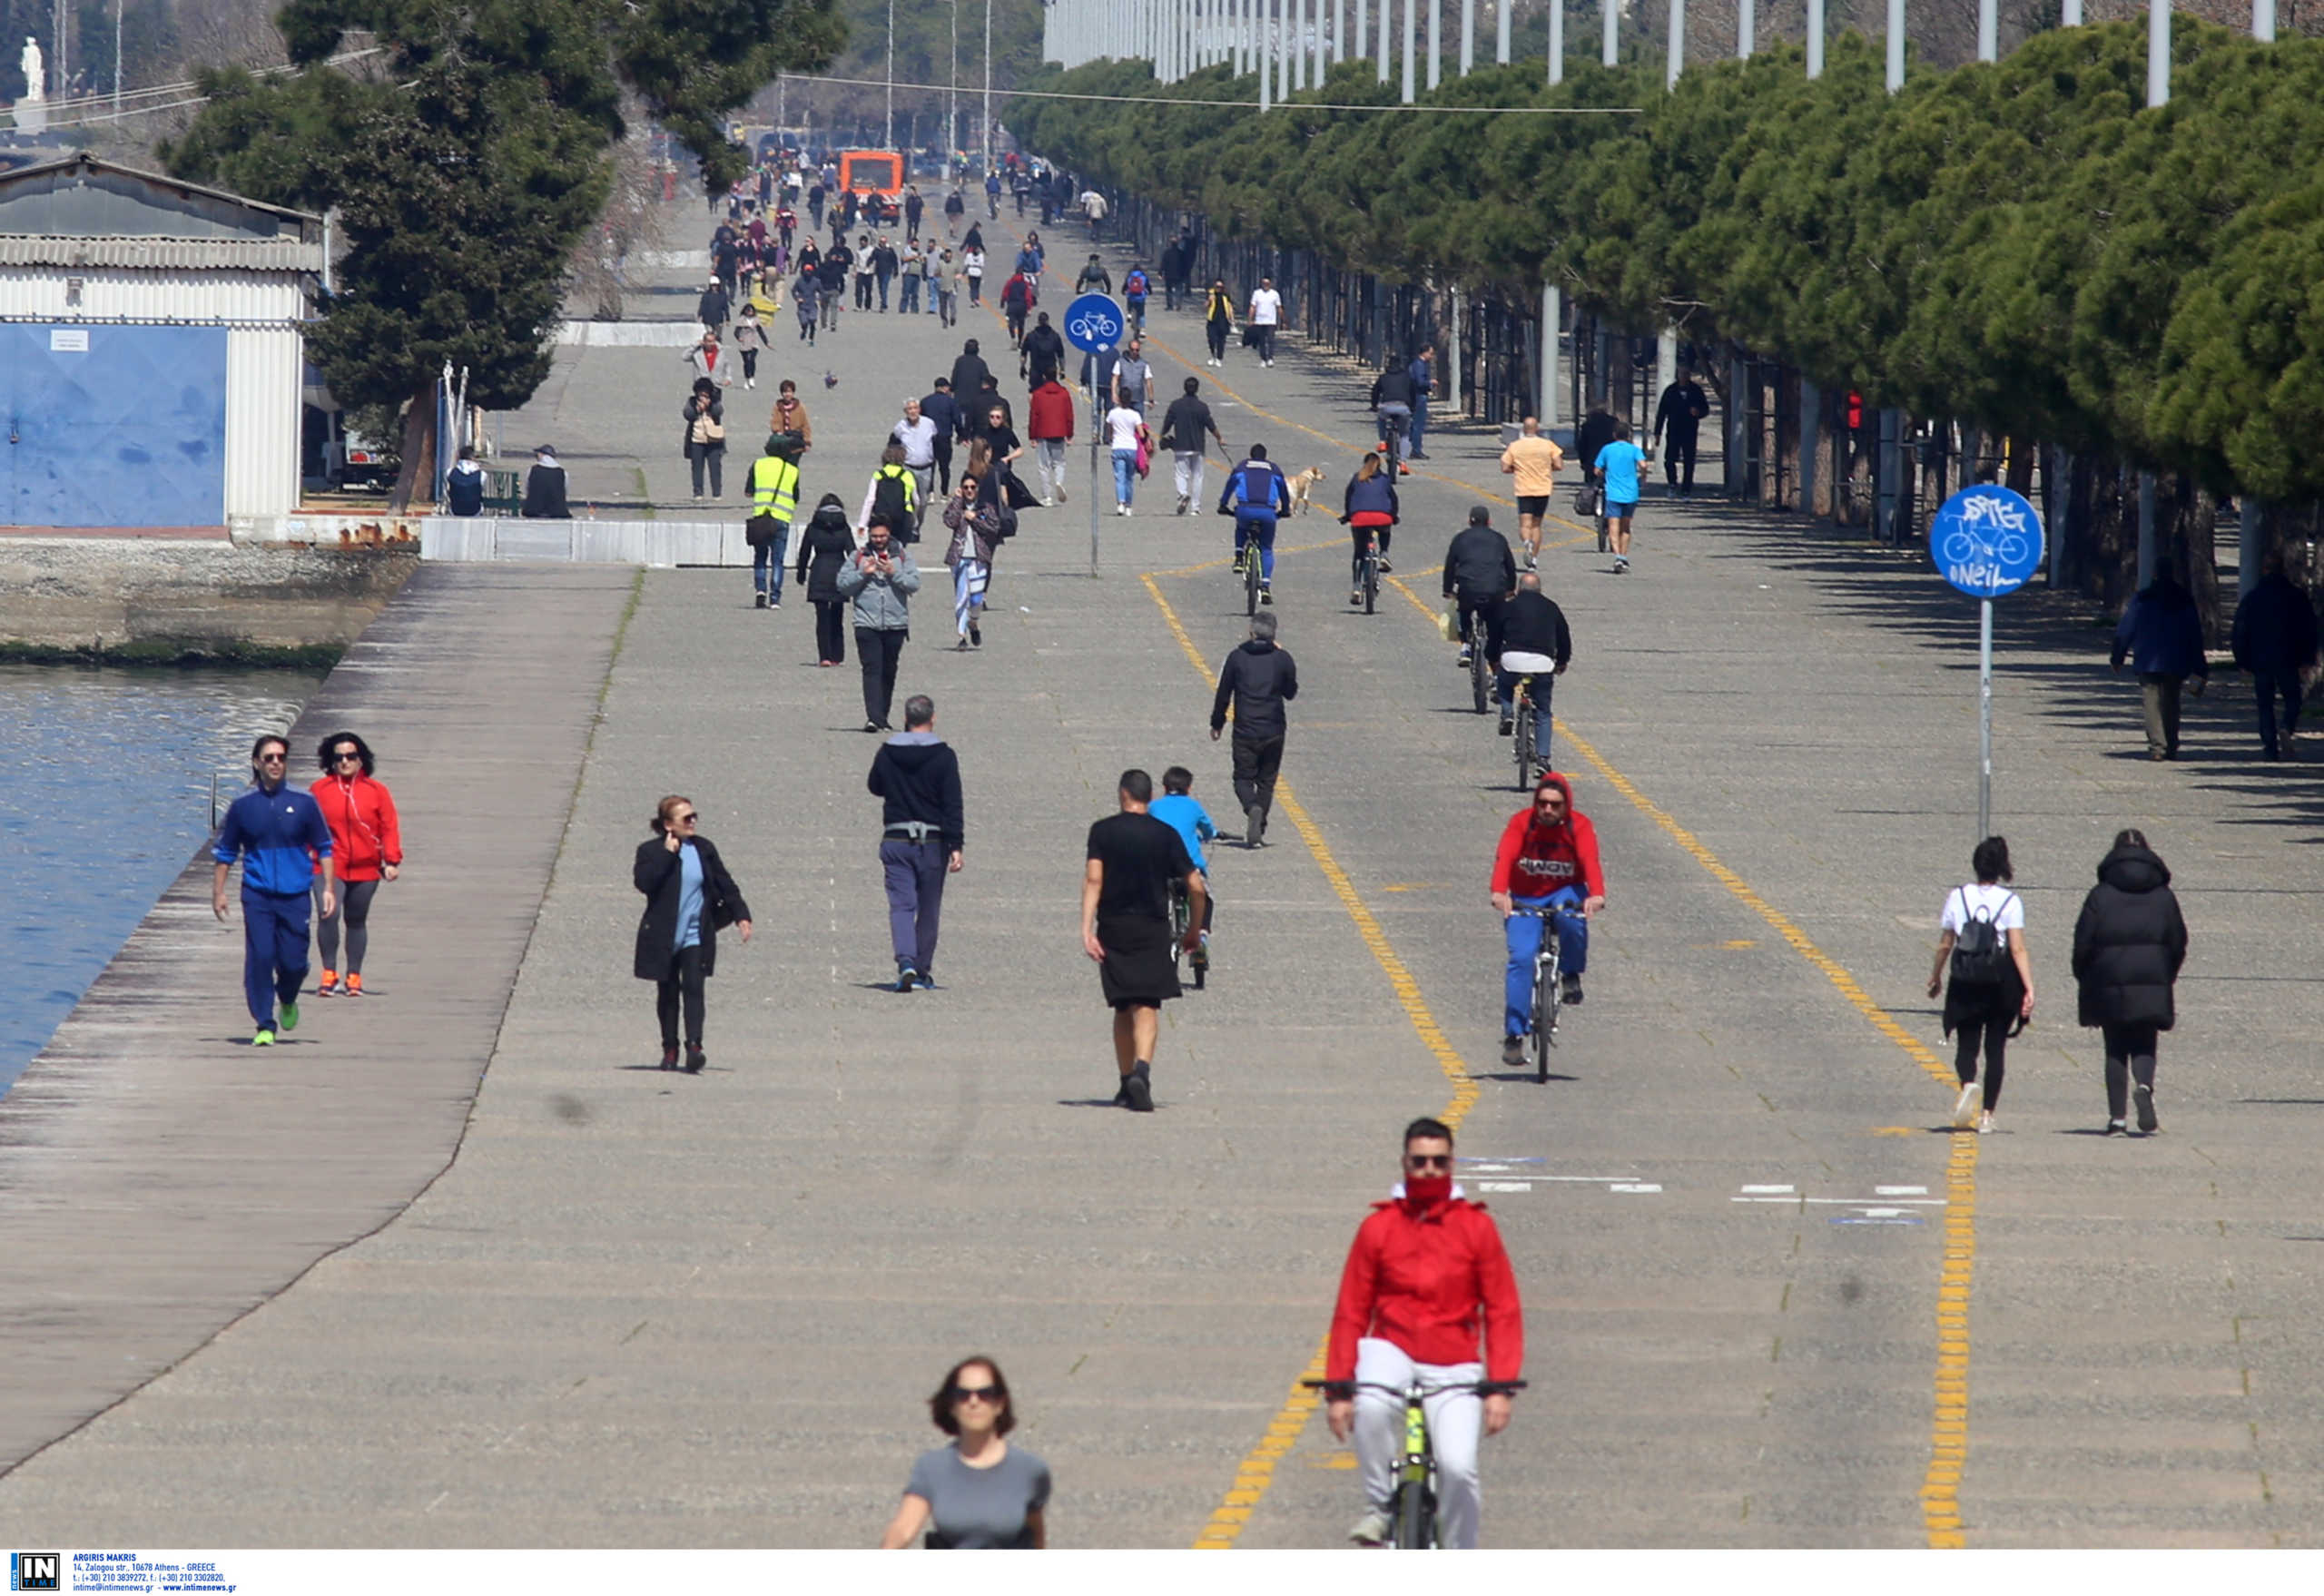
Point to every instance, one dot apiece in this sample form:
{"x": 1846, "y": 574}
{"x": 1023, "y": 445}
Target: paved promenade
{"x": 1770, "y": 1300}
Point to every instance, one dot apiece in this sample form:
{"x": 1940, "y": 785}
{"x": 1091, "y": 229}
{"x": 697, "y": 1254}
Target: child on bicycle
{"x": 1178, "y": 809}
{"x": 1548, "y": 859}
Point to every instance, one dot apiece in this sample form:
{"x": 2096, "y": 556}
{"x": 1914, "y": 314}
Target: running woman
{"x": 366, "y": 848}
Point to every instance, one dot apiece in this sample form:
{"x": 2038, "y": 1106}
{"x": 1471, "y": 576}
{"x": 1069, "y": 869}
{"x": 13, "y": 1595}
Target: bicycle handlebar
{"x": 1341, "y": 1390}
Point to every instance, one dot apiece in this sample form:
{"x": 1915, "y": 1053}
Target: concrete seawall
{"x": 162, "y": 600}
{"x": 158, "y": 1176}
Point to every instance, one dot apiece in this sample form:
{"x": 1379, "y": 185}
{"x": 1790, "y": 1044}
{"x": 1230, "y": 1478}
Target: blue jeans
{"x": 1124, "y": 474}
{"x": 274, "y": 950}
{"x": 766, "y": 563}
{"x": 910, "y": 302}
{"x": 1258, "y": 529}
{"x": 1524, "y": 934}
{"x": 1420, "y": 424}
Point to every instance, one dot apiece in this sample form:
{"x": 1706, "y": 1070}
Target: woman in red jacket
{"x": 366, "y": 846}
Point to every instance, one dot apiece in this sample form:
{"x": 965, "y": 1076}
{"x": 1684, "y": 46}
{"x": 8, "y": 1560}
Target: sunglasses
{"x": 348, "y": 756}
{"x": 1549, "y": 803}
{"x": 985, "y": 1394}
{"x": 1429, "y": 1161}
{"x": 273, "y": 758}
{"x": 684, "y": 819}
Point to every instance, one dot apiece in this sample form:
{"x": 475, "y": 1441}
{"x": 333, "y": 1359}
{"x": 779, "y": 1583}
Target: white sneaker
{"x": 1371, "y": 1530}
{"x": 1047, "y": 502}
{"x": 1964, "y": 1107}
{"x": 1985, "y": 1123}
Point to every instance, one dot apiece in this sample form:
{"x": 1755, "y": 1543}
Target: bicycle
{"x": 1480, "y": 667}
{"x": 1525, "y": 716}
{"x": 1411, "y": 1505}
{"x": 1249, "y": 564}
{"x": 1367, "y": 581}
{"x": 1549, "y": 988}
{"x": 1181, "y": 909}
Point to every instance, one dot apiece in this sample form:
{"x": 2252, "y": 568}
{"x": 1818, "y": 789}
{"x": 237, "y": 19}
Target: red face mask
{"x": 1424, "y": 1191}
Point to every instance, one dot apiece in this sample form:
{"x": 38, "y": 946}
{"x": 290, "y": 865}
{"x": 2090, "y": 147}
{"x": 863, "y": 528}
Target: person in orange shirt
{"x": 368, "y": 845}
{"x": 1533, "y": 460}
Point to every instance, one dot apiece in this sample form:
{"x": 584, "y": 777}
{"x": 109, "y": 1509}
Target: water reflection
{"x": 104, "y": 795}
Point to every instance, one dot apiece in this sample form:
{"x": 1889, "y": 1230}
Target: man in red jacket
{"x": 1049, "y": 422}
{"x": 1426, "y": 1266}
{"x": 1548, "y": 859}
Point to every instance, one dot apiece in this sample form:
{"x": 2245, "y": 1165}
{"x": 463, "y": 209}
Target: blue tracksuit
{"x": 274, "y": 833}
{"x": 1256, "y": 493}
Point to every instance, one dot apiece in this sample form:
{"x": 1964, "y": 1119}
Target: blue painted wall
{"x": 129, "y": 431}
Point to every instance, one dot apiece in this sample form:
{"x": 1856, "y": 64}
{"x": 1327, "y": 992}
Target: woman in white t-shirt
{"x": 1983, "y": 1011}
{"x": 1122, "y": 426}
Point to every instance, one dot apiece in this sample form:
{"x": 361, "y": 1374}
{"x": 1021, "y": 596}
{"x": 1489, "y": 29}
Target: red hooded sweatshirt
{"x": 1422, "y": 1279}
{"x": 363, "y": 832}
{"x": 1048, "y": 413}
{"x": 1535, "y": 860}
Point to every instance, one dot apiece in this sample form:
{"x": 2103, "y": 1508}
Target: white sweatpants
{"x": 1186, "y": 467}
{"x": 1455, "y": 1423}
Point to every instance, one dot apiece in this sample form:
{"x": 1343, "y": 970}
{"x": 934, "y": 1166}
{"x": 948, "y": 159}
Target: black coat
{"x": 823, "y": 547}
{"x": 657, "y": 875}
{"x": 2275, "y": 627}
{"x": 2129, "y": 942}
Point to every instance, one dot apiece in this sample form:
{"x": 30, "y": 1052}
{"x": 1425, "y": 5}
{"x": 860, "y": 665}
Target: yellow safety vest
{"x": 912, "y": 487}
{"x": 775, "y": 487}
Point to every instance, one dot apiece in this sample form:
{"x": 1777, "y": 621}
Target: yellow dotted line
{"x": 1257, "y": 1470}
{"x": 1949, "y": 1425}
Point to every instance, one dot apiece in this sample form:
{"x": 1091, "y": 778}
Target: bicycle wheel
{"x": 1412, "y": 1518}
{"x": 1546, "y": 990}
{"x": 1479, "y": 669}
{"x": 1370, "y": 584}
{"x": 1524, "y": 740}
{"x": 1250, "y": 577}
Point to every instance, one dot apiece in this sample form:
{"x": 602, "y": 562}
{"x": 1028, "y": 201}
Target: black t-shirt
{"x": 1142, "y": 856}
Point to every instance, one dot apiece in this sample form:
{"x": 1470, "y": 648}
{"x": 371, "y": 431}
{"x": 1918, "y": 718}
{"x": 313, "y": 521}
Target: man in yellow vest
{"x": 775, "y": 500}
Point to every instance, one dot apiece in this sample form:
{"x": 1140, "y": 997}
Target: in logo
{"x": 35, "y": 1570}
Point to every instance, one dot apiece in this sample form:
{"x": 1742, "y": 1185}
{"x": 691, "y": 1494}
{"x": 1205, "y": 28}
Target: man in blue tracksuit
{"x": 1256, "y": 494}
{"x": 278, "y": 833}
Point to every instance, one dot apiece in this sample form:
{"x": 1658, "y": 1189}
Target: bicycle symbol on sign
{"x": 1087, "y": 329}
{"x": 2002, "y": 541}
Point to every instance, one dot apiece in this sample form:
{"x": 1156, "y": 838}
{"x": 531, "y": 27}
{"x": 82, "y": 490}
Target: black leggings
{"x": 1217, "y": 331}
{"x": 2130, "y": 1054}
{"x": 355, "y": 905}
{"x": 831, "y": 630}
{"x": 683, "y": 980}
{"x": 1362, "y": 537}
{"x": 1994, "y": 1034}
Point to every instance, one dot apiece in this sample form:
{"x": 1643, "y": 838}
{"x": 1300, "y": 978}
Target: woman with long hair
{"x": 367, "y": 847}
{"x": 1371, "y": 513}
{"x": 978, "y": 1492}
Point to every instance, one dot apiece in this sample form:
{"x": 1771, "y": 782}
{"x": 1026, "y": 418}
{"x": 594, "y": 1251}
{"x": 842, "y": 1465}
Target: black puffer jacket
{"x": 2129, "y": 942}
{"x": 823, "y": 547}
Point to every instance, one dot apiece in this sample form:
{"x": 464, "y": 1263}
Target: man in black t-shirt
{"x": 1126, "y": 927}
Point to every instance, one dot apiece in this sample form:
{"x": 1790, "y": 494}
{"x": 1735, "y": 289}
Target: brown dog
{"x": 1302, "y": 486}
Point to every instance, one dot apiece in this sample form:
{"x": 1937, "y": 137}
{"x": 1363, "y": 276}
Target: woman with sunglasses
{"x": 366, "y": 844}
{"x": 979, "y": 1493}
{"x": 689, "y": 898}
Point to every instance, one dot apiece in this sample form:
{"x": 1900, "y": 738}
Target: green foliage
{"x": 2024, "y": 246}
{"x": 465, "y": 163}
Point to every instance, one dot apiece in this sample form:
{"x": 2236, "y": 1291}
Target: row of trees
{"x": 2021, "y": 246}
{"x": 467, "y": 158}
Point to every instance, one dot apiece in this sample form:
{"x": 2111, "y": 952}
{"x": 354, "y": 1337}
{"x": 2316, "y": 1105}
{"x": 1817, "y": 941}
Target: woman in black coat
{"x": 828, "y": 542}
{"x": 2128, "y": 947}
{"x": 689, "y": 897}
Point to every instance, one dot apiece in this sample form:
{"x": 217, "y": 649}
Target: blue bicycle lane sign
{"x": 1986, "y": 541}
{"x": 1094, "y": 322}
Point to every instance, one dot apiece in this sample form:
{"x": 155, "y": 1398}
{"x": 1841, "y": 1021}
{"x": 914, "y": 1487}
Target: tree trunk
{"x": 416, "y": 461}
{"x": 2020, "y": 476}
{"x": 2191, "y": 533}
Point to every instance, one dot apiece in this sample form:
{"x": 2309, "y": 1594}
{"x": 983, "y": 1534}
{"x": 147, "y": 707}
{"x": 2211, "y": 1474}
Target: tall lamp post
{"x": 988, "y": 85}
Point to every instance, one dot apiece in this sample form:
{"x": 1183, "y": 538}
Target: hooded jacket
{"x": 1048, "y": 411}
{"x": 2130, "y": 942}
{"x": 1534, "y": 860}
{"x": 2161, "y": 633}
{"x": 363, "y": 830}
{"x": 464, "y": 488}
{"x": 918, "y": 776}
{"x": 882, "y": 602}
{"x": 1260, "y": 679}
{"x": 1423, "y": 1276}
{"x": 823, "y": 547}
{"x": 2275, "y": 627}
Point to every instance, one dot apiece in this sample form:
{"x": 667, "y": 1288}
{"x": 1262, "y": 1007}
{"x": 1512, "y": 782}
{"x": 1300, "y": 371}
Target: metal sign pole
{"x": 1094, "y": 454}
{"x": 1984, "y": 719}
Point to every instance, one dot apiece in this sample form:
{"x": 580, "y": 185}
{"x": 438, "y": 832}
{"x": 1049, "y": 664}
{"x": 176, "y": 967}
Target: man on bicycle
{"x": 1479, "y": 573}
{"x": 1536, "y": 644}
{"x": 1426, "y": 1267}
{"x": 1392, "y": 397}
{"x": 1547, "y": 860}
{"x": 1256, "y": 494}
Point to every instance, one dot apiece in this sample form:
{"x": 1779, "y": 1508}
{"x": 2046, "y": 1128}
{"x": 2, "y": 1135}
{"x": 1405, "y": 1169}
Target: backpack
{"x": 1980, "y": 953}
{"x": 888, "y": 503}
{"x": 1136, "y": 286}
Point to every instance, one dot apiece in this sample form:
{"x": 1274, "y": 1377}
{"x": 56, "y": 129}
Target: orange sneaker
{"x": 329, "y": 984}
{"x": 354, "y": 986}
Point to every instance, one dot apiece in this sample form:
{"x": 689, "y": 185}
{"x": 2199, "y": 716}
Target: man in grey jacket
{"x": 881, "y": 579}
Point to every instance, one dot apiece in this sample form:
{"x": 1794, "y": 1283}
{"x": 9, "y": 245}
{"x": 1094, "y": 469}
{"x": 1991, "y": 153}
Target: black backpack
{"x": 1980, "y": 952}
{"x": 888, "y": 504}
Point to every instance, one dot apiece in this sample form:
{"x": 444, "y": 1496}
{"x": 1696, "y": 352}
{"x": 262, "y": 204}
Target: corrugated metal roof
{"x": 163, "y": 254}
{"x": 86, "y": 197}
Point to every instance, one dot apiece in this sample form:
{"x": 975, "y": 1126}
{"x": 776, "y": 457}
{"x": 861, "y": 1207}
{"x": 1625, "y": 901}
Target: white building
{"x": 150, "y": 350}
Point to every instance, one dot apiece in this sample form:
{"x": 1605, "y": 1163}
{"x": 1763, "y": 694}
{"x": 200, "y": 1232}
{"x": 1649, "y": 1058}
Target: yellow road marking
{"x": 1949, "y": 1422}
{"x": 1257, "y": 1470}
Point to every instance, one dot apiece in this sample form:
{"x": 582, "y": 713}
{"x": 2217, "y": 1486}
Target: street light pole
{"x": 988, "y": 84}
{"x": 887, "y": 133}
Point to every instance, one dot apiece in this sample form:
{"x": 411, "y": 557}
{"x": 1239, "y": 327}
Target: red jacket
{"x": 1422, "y": 1282}
{"x": 1049, "y": 412}
{"x": 1534, "y": 860}
{"x": 363, "y": 832}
